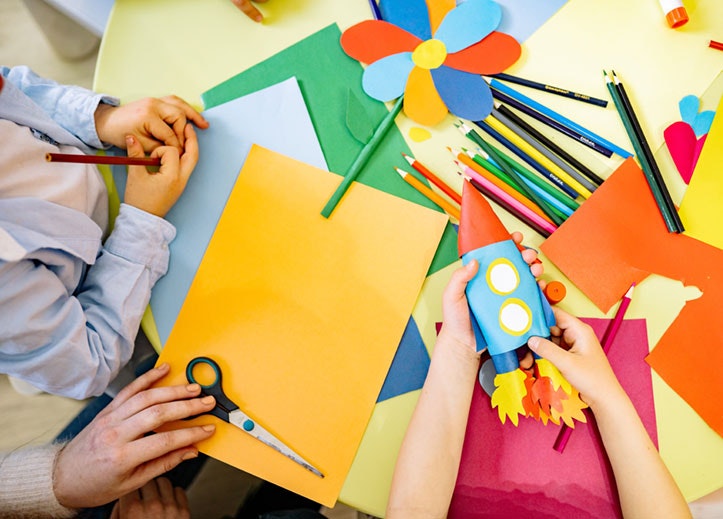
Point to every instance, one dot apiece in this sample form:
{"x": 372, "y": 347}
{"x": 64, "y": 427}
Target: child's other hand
{"x": 248, "y": 9}
{"x": 584, "y": 365}
{"x": 156, "y": 192}
{"x": 153, "y": 122}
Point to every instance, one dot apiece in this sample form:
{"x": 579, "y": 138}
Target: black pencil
{"x": 550, "y": 144}
{"x": 551, "y": 89}
{"x": 654, "y": 173}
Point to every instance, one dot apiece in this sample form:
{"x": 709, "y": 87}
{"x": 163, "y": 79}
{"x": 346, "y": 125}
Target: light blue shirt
{"x": 70, "y": 306}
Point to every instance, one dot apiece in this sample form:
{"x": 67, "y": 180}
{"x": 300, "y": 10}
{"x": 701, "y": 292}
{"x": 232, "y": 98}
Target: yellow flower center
{"x": 429, "y": 54}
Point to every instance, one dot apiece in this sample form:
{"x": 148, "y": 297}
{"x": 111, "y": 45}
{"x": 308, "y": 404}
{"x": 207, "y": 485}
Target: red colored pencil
{"x": 715, "y": 45}
{"x": 102, "y": 159}
{"x": 608, "y": 337}
{"x": 434, "y": 179}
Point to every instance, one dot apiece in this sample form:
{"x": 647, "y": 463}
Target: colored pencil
{"x": 434, "y": 197}
{"x": 569, "y": 132}
{"x": 434, "y": 179}
{"x": 644, "y": 154}
{"x": 560, "y": 118}
{"x": 543, "y": 155}
{"x": 511, "y": 173}
{"x": 715, "y": 45}
{"x": 485, "y": 161}
{"x": 551, "y": 89}
{"x": 607, "y": 340}
{"x": 362, "y": 158}
{"x": 375, "y": 9}
{"x": 549, "y": 188}
{"x": 482, "y": 176}
{"x": 102, "y": 159}
{"x": 546, "y": 173}
{"x": 554, "y": 147}
{"x": 509, "y": 204}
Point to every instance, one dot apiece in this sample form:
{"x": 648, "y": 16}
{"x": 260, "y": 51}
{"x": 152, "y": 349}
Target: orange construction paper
{"x": 617, "y": 237}
{"x": 371, "y": 40}
{"x": 303, "y": 314}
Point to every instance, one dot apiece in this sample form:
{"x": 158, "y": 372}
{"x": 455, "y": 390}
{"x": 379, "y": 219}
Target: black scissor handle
{"x": 213, "y": 389}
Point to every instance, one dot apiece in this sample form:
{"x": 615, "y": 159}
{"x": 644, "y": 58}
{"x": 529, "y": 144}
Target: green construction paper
{"x": 357, "y": 119}
{"x": 326, "y": 75}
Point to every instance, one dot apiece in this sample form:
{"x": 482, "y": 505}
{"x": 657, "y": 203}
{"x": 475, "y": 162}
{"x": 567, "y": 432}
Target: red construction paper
{"x": 618, "y": 236}
{"x": 492, "y": 54}
{"x": 513, "y": 472}
{"x": 371, "y": 40}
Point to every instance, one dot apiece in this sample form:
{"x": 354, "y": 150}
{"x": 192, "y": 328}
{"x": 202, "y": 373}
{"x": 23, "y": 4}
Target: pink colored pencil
{"x": 608, "y": 337}
{"x": 508, "y": 200}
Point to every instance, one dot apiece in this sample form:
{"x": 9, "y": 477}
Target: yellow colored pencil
{"x": 434, "y": 197}
{"x": 537, "y": 156}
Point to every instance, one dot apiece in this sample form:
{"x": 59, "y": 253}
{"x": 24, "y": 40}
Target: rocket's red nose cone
{"x": 479, "y": 225}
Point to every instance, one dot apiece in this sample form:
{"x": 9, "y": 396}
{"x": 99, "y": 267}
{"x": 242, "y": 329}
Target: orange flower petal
{"x": 421, "y": 100}
{"x": 371, "y": 40}
{"x": 490, "y": 55}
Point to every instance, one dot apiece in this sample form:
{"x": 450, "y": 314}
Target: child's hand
{"x": 584, "y": 365}
{"x": 248, "y": 9}
{"x": 153, "y": 122}
{"x": 455, "y": 311}
{"x": 156, "y": 192}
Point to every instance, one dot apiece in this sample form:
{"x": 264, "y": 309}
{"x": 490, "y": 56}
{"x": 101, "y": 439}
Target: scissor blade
{"x": 250, "y": 426}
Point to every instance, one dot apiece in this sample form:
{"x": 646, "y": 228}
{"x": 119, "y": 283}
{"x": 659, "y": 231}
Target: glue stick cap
{"x": 677, "y": 17}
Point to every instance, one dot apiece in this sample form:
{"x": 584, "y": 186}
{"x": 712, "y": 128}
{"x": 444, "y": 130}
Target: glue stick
{"x": 675, "y": 12}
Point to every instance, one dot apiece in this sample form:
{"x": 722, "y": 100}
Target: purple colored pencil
{"x": 502, "y": 97}
{"x": 608, "y": 337}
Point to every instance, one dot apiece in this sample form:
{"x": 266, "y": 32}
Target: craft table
{"x": 185, "y": 47}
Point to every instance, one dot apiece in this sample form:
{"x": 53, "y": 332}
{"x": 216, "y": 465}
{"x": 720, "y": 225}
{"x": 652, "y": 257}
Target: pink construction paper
{"x": 684, "y": 147}
{"x": 513, "y": 472}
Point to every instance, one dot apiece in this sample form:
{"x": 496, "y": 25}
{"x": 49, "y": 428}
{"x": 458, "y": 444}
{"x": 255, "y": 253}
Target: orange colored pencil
{"x": 476, "y": 168}
{"x": 434, "y": 179}
{"x": 434, "y": 197}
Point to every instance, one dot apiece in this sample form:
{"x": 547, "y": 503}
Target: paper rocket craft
{"x": 507, "y": 308}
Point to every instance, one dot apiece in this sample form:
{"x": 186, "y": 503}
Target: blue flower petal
{"x": 466, "y": 95}
{"x": 468, "y": 23}
{"x": 386, "y": 78}
{"x": 410, "y": 15}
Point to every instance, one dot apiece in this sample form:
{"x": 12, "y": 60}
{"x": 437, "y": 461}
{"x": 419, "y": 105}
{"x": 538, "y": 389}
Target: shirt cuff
{"x": 26, "y": 483}
{"x": 89, "y": 133}
{"x": 141, "y": 238}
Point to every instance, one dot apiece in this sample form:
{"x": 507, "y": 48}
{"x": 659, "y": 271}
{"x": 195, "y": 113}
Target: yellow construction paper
{"x": 303, "y": 314}
{"x": 701, "y": 210}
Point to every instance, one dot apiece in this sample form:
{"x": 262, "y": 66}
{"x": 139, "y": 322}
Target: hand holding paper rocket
{"x": 507, "y": 308}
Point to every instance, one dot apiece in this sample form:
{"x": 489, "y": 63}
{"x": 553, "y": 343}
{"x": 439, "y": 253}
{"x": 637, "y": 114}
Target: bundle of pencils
{"x": 643, "y": 152}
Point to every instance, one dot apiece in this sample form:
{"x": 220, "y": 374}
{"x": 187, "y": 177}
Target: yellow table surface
{"x": 185, "y": 47}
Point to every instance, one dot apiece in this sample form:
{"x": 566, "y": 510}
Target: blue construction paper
{"x": 521, "y": 18}
{"x": 409, "y": 367}
{"x": 468, "y": 23}
{"x": 386, "y": 78}
{"x": 275, "y": 117}
{"x": 466, "y": 95}
{"x": 410, "y": 15}
{"x": 486, "y": 303}
{"x": 700, "y": 122}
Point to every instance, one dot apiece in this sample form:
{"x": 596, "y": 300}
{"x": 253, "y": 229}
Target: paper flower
{"x": 433, "y": 53}
{"x": 685, "y": 138}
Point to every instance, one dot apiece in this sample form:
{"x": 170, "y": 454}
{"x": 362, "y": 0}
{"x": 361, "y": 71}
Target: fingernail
{"x": 130, "y": 139}
{"x": 189, "y": 455}
{"x": 162, "y": 367}
{"x": 533, "y": 342}
{"x": 192, "y": 388}
{"x": 207, "y": 400}
{"x": 208, "y": 428}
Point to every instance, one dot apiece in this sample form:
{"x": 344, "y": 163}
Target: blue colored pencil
{"x": 558, "y": 117}
{"x": 375, "y": 9}
{"x": 569, "y": 132}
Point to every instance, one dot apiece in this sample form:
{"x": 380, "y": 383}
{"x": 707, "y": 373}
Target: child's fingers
{"x": 458, "y": 282}
{"x": 550, "y": 351}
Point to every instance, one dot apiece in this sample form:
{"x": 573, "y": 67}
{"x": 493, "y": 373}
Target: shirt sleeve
{"x": 75, "y": 344}
{"x": 70, "y": 106}
{"x": 26, "y": 483}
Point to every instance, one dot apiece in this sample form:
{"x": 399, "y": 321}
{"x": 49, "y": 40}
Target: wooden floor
{"x": 31, "y": 420}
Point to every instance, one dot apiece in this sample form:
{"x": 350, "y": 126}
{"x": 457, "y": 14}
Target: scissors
{"x": 229, "y": 412}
